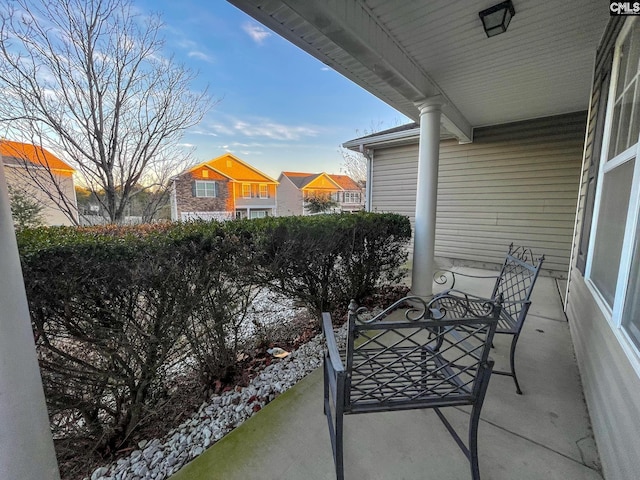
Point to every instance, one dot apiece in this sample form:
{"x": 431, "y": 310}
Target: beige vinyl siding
{"x": 610, "y": 383}
{"x": 395, "y": 173}
{"x": 515, "y": 183}
{"x": 288, "y": 198}
{"x": 60, "y": 188}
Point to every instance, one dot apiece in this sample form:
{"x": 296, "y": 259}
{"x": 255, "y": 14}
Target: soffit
{"x": 402, "y": 51}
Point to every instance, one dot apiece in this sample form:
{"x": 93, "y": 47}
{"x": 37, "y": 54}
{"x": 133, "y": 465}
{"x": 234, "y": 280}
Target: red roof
{"x": 34, "y": 154}
{"x": 346, "y": 182}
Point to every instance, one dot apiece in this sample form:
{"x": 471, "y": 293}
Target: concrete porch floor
{"x": 543, "y": 434}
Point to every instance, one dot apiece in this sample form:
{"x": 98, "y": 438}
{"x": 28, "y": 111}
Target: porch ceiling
{"x": 403, "y": 51}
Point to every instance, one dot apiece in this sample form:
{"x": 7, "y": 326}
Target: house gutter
{"x": 377, "y": 141}
{"x": 368, "y": 188}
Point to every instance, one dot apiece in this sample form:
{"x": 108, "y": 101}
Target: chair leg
{"x": 473, "y": 443}
{"x": 512, "y": 360}
{"x": 335, "y": 420}
{"x": 326, "y": 388}
{"x": 339, "y": 453}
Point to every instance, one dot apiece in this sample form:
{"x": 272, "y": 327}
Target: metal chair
{"x": 513, "y": 286}
{"x": 436, "y": 356}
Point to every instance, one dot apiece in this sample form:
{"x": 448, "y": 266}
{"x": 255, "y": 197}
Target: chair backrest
{"x": 516, "y": 280}
{"x": 416, "y": 358}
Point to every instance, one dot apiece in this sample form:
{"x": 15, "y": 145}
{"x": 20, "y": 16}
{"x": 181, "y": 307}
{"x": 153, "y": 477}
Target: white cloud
{"x": 325, "y": 69}
{"x": 200, "y": 55}
{"x": 258, "y": 33}
{"x": 253, "y": 132}
{"x": 247, "y": 145}
{"x": 202, "y": 132}
{"x": 221, "y": 129}
{"x": 274, "y": 131}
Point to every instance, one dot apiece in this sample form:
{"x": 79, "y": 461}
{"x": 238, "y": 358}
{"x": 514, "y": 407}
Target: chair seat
{"x": 423, "y": 360}
{"x": 416, "y": 377}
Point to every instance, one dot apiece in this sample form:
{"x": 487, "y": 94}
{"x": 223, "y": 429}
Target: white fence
{"x": 208, "y": 216}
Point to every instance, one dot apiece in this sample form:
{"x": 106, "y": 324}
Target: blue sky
{"x": 280, "y": 108}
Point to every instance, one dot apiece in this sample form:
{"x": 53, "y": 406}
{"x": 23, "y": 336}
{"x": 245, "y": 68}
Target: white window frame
{"x": 351, "y": 197}
{"x": 258, "y": 214}
{"x": 613, "y": 314}
{"x": 266, "y": 190}
{"x": 205, "y": 182}
{"x": 246, "y": 185}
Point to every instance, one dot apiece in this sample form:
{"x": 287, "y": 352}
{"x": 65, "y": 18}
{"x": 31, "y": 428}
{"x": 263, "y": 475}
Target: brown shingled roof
{"x": 300, "y": 179}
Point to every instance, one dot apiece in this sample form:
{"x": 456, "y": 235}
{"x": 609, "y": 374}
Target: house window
{"x": 351, "y": 197}
{"x": 206, "y": 189}
{"x": 613, "y": 264}
{"x": 246, "y": 190}
{"x": 258, "y": 214}
{"x": 264, "y": 191}
{"x": 631, "y": 311}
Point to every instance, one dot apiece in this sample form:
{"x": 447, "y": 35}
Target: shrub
{"x": 325, "y": 260}
{"x": 113, "y": 308}
{"x": 116, "y": 309}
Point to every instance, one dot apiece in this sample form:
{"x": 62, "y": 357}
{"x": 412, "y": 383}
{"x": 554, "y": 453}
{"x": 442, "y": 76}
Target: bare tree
{"x": 88, "y": 79}
{"x": 354, "y": 164}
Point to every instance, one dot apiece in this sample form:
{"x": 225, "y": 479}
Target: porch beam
{"x": 26, "y": 446}
{"x": 424, "y": 232}
{"x": 352, "y": 27}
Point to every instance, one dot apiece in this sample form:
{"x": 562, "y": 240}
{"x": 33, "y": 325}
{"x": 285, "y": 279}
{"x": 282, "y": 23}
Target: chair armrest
{"x": 332, "y": 345}
{"x": 442, "y": 277}
{"x": 468, "y": 300}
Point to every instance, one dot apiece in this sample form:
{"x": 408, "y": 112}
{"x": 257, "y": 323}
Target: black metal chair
{"x": 514, "y": 285}
{"x": 436, "y": 356}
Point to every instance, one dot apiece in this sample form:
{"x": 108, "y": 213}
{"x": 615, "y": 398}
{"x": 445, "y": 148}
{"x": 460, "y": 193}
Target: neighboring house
{"x": 222, "y": 189}
{"x": 502, "y": 156}
{"x": 296, "y": 187}
{"x": 40, "y": 175}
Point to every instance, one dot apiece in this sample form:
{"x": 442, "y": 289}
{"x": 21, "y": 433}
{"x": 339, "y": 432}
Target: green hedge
{"x": 114, "y": 308}
{"x": 326, "y": 260}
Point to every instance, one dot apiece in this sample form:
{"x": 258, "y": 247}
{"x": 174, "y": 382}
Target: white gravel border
{"x": 158, "y": 459}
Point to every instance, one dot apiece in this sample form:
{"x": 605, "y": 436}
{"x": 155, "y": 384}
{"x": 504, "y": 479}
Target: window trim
{"x": 266, "y": 188}
{"x": 263, "y": 214}
{"x": 613, "y": 314}
{"x": 216, "y": 191}
{"x": 248, "y": 185}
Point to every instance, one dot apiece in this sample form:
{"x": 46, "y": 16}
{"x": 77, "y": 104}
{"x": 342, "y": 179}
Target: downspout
{"x": 368, "y": 188}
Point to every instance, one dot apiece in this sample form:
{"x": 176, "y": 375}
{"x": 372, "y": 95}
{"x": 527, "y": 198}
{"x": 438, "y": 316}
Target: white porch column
{"x": 424, "y": 234}
{"x": 26, "y": 447}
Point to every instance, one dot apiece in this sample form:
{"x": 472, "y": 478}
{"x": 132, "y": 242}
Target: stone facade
{"x": 186, "y": 201}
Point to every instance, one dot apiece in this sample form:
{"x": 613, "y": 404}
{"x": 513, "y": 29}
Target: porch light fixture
{"x": 495, "y": 20}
